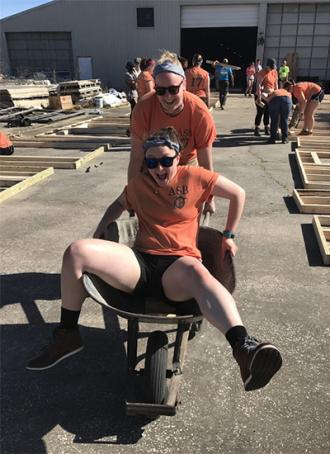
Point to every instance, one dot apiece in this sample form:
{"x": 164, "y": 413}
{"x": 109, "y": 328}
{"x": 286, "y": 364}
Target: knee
{"x": 196, "y": 272}
{"x": 77, "y": 250}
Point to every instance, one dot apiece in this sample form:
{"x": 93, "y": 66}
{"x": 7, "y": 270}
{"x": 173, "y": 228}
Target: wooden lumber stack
{"x": 80, "y": 89}
{"x": 25, "y": 96}
{"x": 313, "y": 159}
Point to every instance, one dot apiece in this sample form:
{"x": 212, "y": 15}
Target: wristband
{"x": 228, "y": 234}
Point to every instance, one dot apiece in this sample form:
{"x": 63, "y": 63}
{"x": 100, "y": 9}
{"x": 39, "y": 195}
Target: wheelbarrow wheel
{"x": 155, "y": 367}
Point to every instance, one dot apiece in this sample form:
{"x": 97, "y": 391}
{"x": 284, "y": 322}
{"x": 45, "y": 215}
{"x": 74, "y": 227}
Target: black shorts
{"x": 318, "y": 96}
{"x": 152, "y": 269}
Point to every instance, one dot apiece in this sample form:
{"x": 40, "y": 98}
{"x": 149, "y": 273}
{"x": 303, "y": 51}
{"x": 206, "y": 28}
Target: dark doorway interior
{"x": 238, "y": 44}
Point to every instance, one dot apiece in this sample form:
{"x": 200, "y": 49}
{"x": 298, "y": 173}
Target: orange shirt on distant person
{"x": 308, "y": 89}
{"x": 194, "y": 123}
{"x": 169, "y": 216}
{"x": 268, "y": 80}
{"x": 279, "y": 92}
{"x": 197, "y": 80}
{"x": 144, "y": 83}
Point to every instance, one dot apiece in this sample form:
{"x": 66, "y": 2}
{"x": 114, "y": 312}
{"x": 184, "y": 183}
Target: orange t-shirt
{"x": 268, "y": 80}
{"x": 144, "y": 82}
{"x": 4, "y": 141}
{"x": 169, "y": 216}
{"x": 194, "y": 123}
{"x": 197, "y": 80}
{"x": 308, "y": 89}
{"x": 279, "y": 92}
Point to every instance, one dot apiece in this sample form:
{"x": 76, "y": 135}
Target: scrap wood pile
{"x": 80, "y": 89}
{"x": 18, "y": 116}
{"x": 313, "y": 159}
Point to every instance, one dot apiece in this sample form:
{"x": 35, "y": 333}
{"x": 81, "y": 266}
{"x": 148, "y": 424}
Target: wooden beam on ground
{"x": 56, "y": 144}
{"x": 311, "y": 201}
{"x": 9, "y": 188}
{"x": 321, "y": 226}
{"x": 58, "y": 162}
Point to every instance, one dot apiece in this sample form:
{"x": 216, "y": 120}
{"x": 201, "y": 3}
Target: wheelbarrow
{"x": 160, "y": 383}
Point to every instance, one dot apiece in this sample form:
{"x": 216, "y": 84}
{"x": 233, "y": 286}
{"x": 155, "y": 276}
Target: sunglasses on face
{"x": 166, "y": 161}
{"x": 173, "y": 90}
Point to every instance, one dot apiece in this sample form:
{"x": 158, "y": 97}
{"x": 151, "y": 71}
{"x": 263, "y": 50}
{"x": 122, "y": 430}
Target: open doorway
{"x": 238, "y": 44}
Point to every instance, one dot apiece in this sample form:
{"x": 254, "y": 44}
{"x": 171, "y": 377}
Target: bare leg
{"x": 188, "y": 278}
{"x": 115, "y": 263}
{"x": 309, "y": 115}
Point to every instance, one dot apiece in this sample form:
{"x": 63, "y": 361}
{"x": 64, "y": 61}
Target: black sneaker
{"x": 271, "y": 141}
{"x": 257, "y": 132}
{"x": 64, "y": 343}
{"x": 258, "y": 362}
{"x": 267, "y": 131}
{"x": 285, "y": 140}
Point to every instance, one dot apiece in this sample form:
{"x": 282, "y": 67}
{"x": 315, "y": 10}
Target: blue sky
{"x": 9, "y": 7}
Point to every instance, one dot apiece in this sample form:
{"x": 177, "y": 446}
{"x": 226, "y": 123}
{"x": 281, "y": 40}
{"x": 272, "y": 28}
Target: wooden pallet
{"x": 314, "y": 176}
{"x": 321, "y": 226}
{"x": 311, "y": 201}
{"x": 26, "y": 163}
{"x": 312, "y": 142}
{"x": 314, "y": 157}
{"x": 13, "y": 183}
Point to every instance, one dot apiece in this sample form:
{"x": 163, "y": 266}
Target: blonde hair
{"x": 166, "y": 55}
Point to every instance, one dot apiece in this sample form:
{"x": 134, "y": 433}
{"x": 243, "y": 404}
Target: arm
{"x": 112, "y": 213}
{"x": 136, "y": 158}
{"x": 204, "y": 158}
{"x": 208, "y": 92}
{"x": 236, "y": 195}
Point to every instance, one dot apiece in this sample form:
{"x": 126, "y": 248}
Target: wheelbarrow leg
{"x": 132, "y": 339}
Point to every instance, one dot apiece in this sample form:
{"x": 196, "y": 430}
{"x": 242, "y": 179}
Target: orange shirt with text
{"x": 194, "y": 124}
{"x": 197, "y": 80}
{"x": 169, "y": 216}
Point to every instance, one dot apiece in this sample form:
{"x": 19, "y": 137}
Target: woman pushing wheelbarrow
{"x": 164, "y": 261}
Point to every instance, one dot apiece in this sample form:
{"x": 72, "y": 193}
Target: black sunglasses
{"x": 173, "y": 90}
{"x": 166, "y": 161}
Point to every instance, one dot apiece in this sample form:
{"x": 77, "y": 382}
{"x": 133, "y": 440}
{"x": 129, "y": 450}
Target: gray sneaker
{"x": 64, "y": 343}
{"x": 258, "y": 362}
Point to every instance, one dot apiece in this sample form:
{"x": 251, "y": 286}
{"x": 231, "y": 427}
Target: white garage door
{"x": 219, "y": 16}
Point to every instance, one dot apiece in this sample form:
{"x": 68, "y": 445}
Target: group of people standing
{"x": 274, "y": 98}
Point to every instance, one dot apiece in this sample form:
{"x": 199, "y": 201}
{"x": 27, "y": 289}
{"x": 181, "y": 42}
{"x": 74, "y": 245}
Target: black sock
{"x": 69, "y": 319}
{"x": 236, "y": 334}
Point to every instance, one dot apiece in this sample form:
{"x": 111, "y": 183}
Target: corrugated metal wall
{"x": 303, "y": 29}
{"x": 46, "y": 52}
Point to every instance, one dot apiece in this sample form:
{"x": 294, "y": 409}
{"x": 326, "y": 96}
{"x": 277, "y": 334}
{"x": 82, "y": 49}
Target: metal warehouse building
{"x": 95, "y": 38}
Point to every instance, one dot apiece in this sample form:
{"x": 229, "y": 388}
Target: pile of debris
{"x": 24, "y": 96}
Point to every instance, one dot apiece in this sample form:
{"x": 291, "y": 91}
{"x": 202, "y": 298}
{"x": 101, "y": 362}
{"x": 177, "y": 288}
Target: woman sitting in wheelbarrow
{"x": 164, "y": 262}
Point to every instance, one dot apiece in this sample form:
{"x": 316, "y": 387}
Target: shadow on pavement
{"x": 298, "y": 184}
{"x": 84, "y": 395}
{"x": 312, "y": 248}
{"x": 290, "y": 204}
{"x": 239, "y": 140}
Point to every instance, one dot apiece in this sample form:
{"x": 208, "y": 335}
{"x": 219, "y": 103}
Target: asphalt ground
{"x": 282, "y": 293}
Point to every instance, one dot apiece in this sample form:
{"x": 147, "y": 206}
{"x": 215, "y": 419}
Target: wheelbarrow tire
{"x": 155, "y": 367}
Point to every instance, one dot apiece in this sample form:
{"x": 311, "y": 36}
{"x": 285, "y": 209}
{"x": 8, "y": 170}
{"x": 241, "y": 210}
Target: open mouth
{"x": 162, "y": 177}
